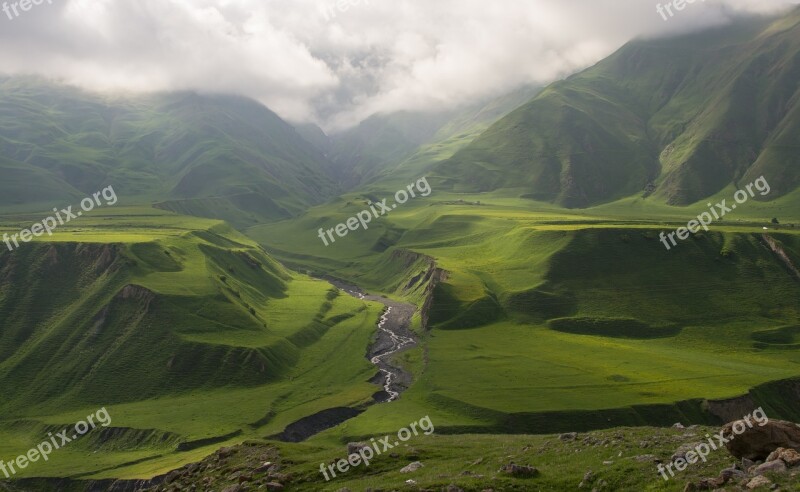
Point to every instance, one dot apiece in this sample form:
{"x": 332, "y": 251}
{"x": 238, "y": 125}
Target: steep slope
{"x": 128, "y": 321}
{"x": 413, "y": 141}
{"x": 196, "y": 154}
{"x": 681, "y": 117}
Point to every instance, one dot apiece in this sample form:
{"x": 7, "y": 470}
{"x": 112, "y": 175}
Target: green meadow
{"x": 545, "y": 314}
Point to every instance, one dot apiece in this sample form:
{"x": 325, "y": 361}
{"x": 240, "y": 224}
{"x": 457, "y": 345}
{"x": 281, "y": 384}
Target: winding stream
{"x": 394, "y": 335}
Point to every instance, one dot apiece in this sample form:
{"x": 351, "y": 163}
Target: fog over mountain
{"x": 312, "y": 61}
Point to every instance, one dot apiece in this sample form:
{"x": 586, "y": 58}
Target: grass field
{"x": 255, "y": 346}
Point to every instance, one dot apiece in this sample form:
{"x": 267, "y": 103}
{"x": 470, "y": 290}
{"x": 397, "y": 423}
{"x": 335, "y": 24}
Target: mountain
{"x": 681, "y": 118}
{"x": 383, "y": 142}
{"x": 218, "y": 156}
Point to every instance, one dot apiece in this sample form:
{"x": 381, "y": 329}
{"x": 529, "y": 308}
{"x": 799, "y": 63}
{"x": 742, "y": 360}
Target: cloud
{"x": 310, "y": 60}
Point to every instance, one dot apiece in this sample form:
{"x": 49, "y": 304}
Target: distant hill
{"x": 681, "y": 118}
{"x": 382, "y": 142}
{"x": 219, "y": 156}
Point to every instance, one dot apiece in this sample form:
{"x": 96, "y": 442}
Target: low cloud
{"x": 310, "y": 60}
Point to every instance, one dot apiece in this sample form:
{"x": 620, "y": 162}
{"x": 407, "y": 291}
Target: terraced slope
{"x": 185, "y": 330}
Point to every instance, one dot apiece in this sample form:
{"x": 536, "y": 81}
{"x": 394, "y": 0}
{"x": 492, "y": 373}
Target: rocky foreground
{"x": 763, "y": 457}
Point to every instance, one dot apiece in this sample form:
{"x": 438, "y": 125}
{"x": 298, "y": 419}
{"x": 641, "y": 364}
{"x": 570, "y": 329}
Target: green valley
{"x": 527, "y": 306}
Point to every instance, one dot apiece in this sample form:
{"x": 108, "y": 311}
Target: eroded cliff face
{"x": 779, "y": 400}
{"x": 423, "y": 283}
{"x": 781, "y": 253}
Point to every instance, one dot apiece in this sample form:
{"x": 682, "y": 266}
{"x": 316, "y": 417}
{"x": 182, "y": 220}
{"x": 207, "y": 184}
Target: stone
{"x": 411, "y": 467}
{"x": 777, "y": 466}
{"x": 522, "y": 471}
{"x": 757, "y": 482}
{"x": 789, "y": 456}
{"x": 758, "y": 442}
{"x": 683, "y": 449}
{"x": 729, "y": 474}
{"x": 265, "y": 467}
{"x": 355, "y": 447}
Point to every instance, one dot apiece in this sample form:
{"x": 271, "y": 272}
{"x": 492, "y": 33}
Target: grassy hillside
{"x": 649, "y": 121}
{"x": 545, "y": 312}
{"x": 406, "y": 144}
{"x": 220, "y": 156}
{"x": 185, "y": 330}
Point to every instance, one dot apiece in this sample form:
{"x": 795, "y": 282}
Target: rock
{"x": 274, "y": 486}
{"x": 587, "y": 479}
{"x": 683, "y": 449}
{"x": 758, "y": 442}
{"x": 277, "y": 477}
{"x": 233, "y": 488}
{"x": 522, "y": 471}
{"x": 244, "y": 478}
{"x": 412, "y": 467}
{"x": 645, "y": 458}
{"x": 746, "y": 464}
{"x": 265, "y": 467}
{"x": 411, "y": 482}
{"x": 678, "y": 425}
{"x": 355, "y": 447}
{"x": 172, "y": 476}
{"x": 608, "y": 463}
{"x": 789, "y": 456}
{"x": 569, "y": 436}
{"x": 709, "y": 484}
{"x": 757, "y": 482}
{"x": 770, "y": 466}
{"x": 452, "y": 488}
{"x": 224, "y": 452}
{"x": 729, "y": 474}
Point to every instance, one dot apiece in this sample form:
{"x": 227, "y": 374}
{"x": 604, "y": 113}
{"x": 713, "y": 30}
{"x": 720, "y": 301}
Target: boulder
{"x": 729, "y": 474}
{"x": 788, "y": 456}
{"x": 683, "y": 449}
{"x": 758, "y": 442}
{"x": 412, "y": 467}
{"x": 355, "y": 447}
{"x": 759, "y": 481}
{"x": 776, "y": 466}
{"x": 522, "y": 471}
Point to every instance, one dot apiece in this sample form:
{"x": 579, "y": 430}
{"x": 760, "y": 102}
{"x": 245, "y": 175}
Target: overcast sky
{"x": 377, "y": 56}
